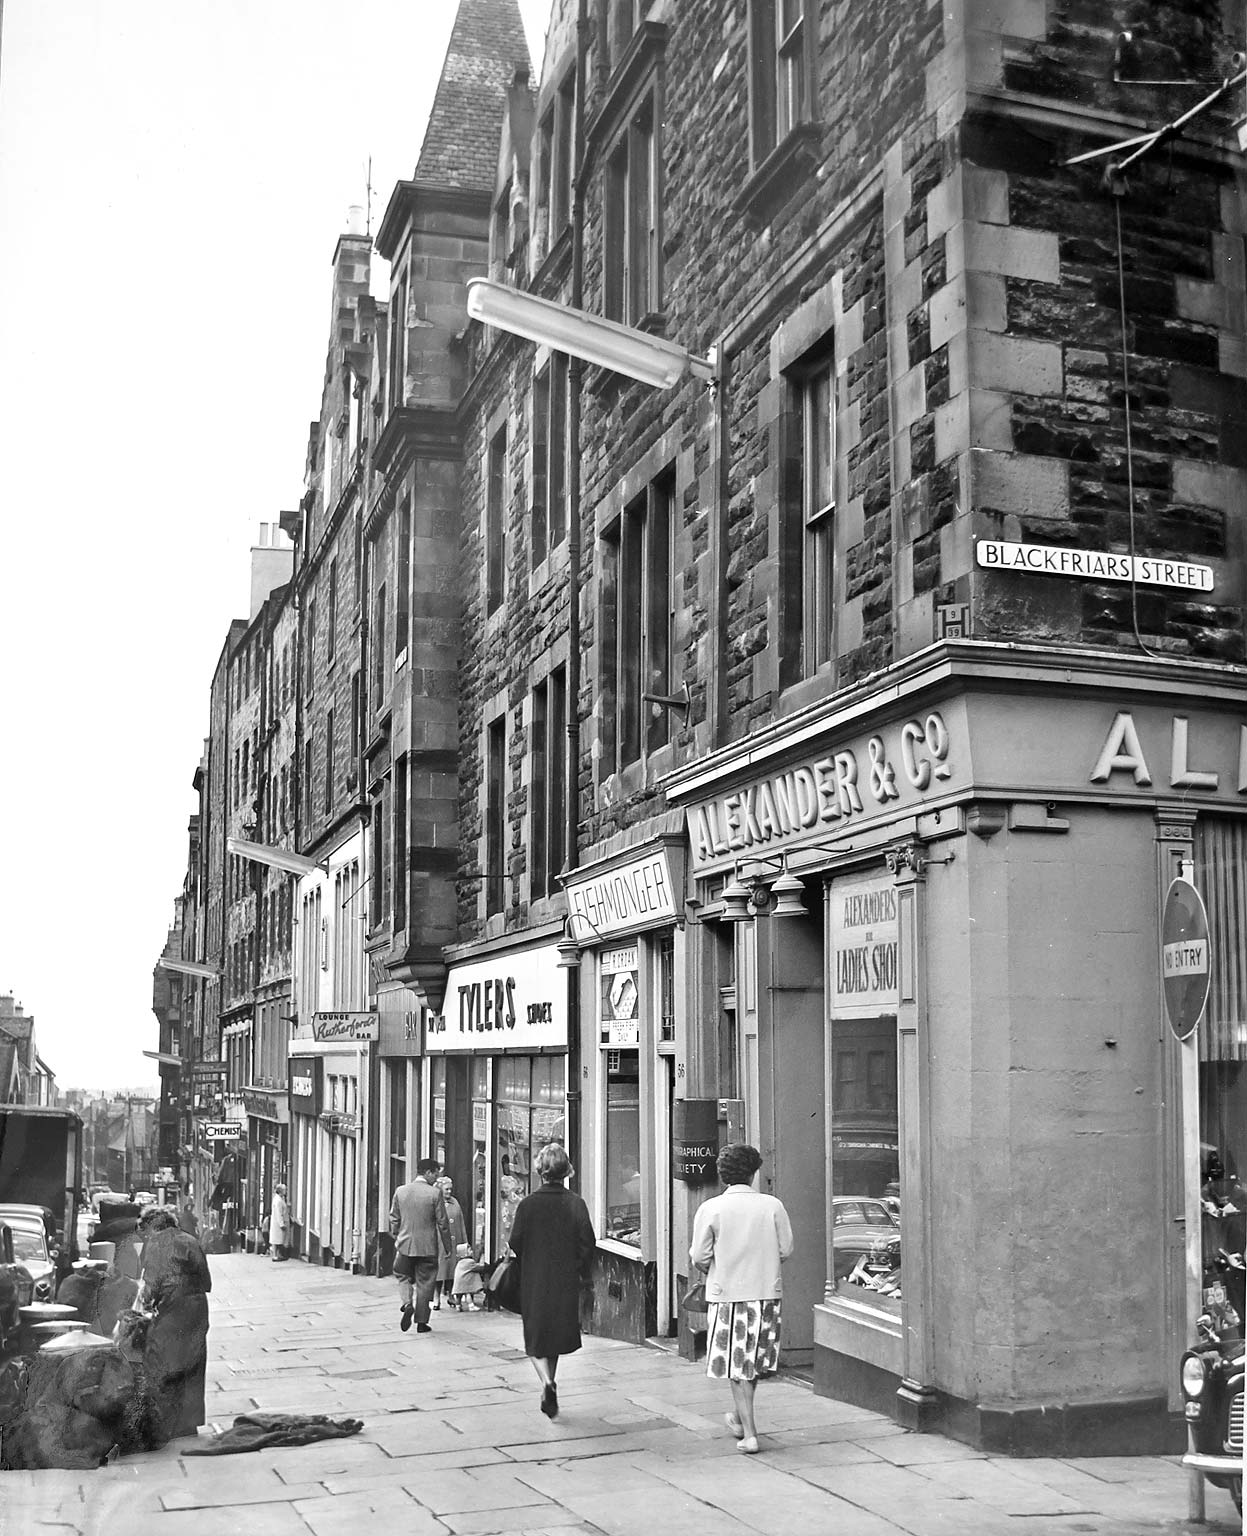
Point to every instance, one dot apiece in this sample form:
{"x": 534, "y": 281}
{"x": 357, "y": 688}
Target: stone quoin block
{"x": 1015, "y": 363}
{"x": 1022, "y": 483}
{"x": 1012, "y": 252}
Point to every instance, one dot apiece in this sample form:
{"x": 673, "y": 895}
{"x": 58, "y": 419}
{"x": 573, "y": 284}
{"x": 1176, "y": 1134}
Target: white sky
{"x": 174, "y": 175}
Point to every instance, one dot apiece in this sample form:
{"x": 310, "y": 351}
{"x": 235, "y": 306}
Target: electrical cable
{"x": 1125, "y": 381}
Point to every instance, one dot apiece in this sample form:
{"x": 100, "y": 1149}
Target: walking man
{"x": 421, "y": 1230}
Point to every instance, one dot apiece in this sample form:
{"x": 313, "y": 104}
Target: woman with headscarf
{"x": 552, "y": 1236}
{"x": 458, "y": 1236}
{"x": 279, "y": 1225}
{"x": 740, "y": 1238}
{"x": 175, "y": 1286}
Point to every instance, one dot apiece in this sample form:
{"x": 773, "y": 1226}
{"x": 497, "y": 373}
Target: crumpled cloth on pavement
{"x": 255, "y": 1431}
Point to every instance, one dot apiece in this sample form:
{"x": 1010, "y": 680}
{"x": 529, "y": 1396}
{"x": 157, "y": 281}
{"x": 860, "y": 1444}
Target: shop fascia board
{"x": 973, "y": 664}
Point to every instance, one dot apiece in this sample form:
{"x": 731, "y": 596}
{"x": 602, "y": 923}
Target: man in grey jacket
{"x": 421, "y": 1229}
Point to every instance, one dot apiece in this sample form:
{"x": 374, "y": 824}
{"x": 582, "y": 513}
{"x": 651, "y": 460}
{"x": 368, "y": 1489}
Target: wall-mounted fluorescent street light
{"x": 190, "y": 968}
{"x": 275, "y": 858}
{"x": 650, "y": 359}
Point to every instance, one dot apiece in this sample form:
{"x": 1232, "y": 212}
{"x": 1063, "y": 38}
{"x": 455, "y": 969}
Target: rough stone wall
{"x": 1022, "y": 315}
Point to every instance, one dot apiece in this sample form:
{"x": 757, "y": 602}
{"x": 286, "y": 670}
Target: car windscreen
{"x": 28, "y": 1245}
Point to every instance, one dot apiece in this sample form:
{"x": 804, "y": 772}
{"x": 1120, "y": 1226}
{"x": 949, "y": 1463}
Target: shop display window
{"x": 480, "y": 1154}
{"x": 623, "y": 1147}
{"x": 1221, "y": 878}
{"x": 398, "y": 1124}
{"x": 865, "y": 1204}
{"x": 437, "y": 1107}
{"x": 529, "y": 1098}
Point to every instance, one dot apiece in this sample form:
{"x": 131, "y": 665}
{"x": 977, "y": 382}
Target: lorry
{"x": 41, "y": 1164}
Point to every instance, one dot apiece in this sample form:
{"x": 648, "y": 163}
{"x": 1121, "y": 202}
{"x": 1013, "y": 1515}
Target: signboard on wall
{"x": 694, "y": 1139}
{"x": 865, "y": 947}
{"x": 512, "y": 1001}
{"x": 305, "y": 1084}
{"x": 348, "y": 1028}
{"x": 620, "y": 900}
{"x": 618, "y": 996}
{"x": 899, "y": 768}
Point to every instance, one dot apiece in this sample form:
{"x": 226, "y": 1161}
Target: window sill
{"x": 553, "y": 265}
{"x": 781, "y": 176}
{"x": 640, "y": 60}
{"x": 861, "y": 1333}
{"x": 624, "y": 1250}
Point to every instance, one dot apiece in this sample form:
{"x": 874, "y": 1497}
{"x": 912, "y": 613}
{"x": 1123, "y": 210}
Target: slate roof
{"x": 487, "y": 45}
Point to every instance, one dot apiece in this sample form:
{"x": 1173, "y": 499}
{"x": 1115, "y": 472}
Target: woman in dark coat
{"x": 175, "y": 1349}
{"x": 552, "y": 1236}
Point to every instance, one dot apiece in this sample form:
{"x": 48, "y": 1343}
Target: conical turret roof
{"x": 487, "y": 45}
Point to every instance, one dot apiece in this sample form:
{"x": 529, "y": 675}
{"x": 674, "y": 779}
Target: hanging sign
{"x": 1185, "y": 966}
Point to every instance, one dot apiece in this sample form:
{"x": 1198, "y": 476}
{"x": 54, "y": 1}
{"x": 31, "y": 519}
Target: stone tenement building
{"x": 824, "y": 741}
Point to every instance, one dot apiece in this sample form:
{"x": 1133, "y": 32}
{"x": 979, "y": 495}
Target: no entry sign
{"x": 1184, "y": 957}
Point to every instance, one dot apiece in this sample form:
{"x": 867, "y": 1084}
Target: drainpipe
{"x": 575, "y": 374}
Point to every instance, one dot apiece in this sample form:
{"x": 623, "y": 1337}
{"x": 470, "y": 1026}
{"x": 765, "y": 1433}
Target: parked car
{"x": 1212, "y": 1384}
{"x": 31, "y": 1247}
{"x": 858, "y": 1223}
{"x": 17, "y": 1290}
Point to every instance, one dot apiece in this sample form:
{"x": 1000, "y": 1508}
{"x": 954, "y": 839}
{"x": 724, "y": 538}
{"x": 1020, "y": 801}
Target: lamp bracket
{"x": 682, "y": 700}
{"x": 911, "y": 857}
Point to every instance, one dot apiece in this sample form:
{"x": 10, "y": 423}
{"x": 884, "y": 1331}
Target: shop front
{"x": 268, "y": 1120}
{"x": 496, "y": 1082}
{"x": 403, "y": 1020}
{"x": 328, "y": 1159}
{"x": 949, "y": 1042}
{"x": 306, "y": 1097}
{"x": 626, "y": 913}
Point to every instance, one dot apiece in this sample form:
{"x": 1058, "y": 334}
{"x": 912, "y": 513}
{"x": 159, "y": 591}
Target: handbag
{"x": 695, "y": 1298}
{"x": 503, "y": 1284}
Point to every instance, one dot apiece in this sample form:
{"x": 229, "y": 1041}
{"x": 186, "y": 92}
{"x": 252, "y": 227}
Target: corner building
{"x": 806, "y": 649}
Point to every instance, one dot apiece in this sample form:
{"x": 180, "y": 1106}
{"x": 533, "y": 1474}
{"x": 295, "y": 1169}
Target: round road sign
{"x": 1184, "y": 957}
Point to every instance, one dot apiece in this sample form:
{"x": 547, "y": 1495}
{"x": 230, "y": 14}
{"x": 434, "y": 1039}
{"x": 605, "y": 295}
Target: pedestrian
{"x": 419, "y": 1225}
{"x": 458, "y": 1237}
{"x": 469, "y": 1281}
{"x": 279, "y": 1225}
{"x": 174, "y": 1290}
{"x": 740, "y": 1238}
{"x": 552, "y": 1237}
{"x": 187, "y": 1219}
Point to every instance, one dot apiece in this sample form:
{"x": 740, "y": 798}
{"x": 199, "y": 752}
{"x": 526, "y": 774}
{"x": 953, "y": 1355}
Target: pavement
{"x": 453, "y": 1442}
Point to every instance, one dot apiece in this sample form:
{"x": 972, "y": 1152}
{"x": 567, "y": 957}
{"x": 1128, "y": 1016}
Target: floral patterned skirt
{"x": 742, "y": 1339}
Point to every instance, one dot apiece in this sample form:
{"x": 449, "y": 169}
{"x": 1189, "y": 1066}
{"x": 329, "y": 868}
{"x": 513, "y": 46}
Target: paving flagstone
{"x": 453, "y": 1444}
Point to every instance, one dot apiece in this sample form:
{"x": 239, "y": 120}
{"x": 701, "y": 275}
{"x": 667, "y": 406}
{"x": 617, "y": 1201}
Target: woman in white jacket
{"x": 740, "y": 1238}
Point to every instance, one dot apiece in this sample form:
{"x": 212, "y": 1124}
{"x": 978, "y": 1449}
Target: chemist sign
{"x": 1185, "y": 966}
{"x": 865, "y": 935}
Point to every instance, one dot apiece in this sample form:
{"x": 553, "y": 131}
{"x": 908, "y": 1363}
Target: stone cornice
{"x": 961, "y": 666}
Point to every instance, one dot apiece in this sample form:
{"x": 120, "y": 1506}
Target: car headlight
{"x": 1192, "y": 1375}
